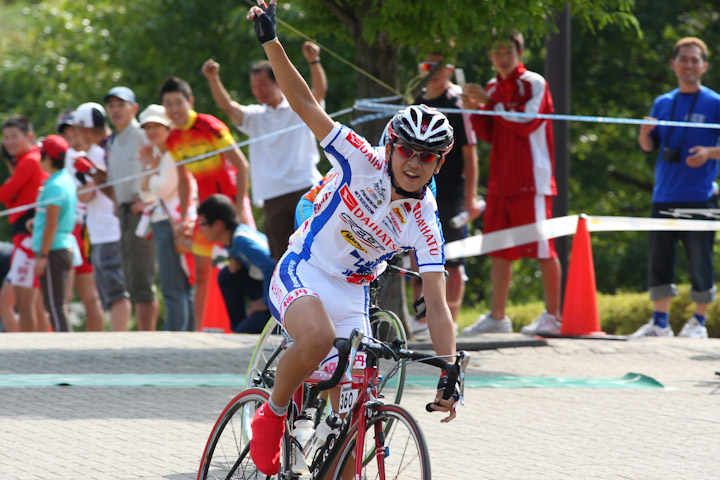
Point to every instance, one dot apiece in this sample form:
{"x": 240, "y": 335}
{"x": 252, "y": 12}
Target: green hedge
{"x": 620, "y": 314}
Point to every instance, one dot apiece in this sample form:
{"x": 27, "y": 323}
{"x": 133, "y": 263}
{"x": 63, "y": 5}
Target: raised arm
{"x": 318, "y": 79}
{"x": 211, "y": 70}
{"x": 292, "y": 84}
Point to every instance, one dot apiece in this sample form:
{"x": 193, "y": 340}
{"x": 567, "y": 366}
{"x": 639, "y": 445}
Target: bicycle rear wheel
{"x": 227, "y": 453}
{"x": 397, "y": 452}
{"x": 263, "y": 363}
{"x": 387, "y": 327}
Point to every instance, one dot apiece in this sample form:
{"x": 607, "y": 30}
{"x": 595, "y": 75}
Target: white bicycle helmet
{"x": 422, "y": 126}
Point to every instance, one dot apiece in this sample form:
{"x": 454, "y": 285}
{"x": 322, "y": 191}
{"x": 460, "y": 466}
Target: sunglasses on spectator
{"x": 423, "y": 155}
{"x": 427, "y": 66}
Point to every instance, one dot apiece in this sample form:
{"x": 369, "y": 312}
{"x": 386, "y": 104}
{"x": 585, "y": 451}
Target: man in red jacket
{"x": 521, "y": 182}
{"x": 22, "y": 188}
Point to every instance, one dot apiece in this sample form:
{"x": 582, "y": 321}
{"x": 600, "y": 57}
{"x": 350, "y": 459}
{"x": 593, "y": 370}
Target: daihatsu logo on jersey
{"x": 348, "y": 198}
{"x": 425, "y": 231}
{"x": 365, "y": 149}
{"x": 354, "y": 140}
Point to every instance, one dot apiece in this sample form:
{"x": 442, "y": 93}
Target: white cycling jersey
{"x": 355, "y": 226}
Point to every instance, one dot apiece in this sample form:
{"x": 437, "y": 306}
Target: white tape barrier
{"x": 562, "y": 226}
{"x": 28, "y": 206}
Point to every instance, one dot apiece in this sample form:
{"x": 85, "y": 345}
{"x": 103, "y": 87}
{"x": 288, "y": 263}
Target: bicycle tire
{"x": 404, "y": 451}
{"x": 386, "y": 326}
{"x": 227, "y": 452}
{"x": 263, "y": 362}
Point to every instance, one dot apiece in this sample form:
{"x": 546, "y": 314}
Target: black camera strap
{"x": 672, "y": 117}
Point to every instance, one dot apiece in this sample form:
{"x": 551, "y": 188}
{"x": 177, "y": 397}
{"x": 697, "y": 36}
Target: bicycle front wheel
{"x": 397, "y": 452}
{"x": 387, "y": 327}
{"x": 227, "y": 453}
{"x": 263, "y": 363}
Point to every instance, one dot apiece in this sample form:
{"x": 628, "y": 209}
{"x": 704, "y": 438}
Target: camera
{"x": 671, "y": 155}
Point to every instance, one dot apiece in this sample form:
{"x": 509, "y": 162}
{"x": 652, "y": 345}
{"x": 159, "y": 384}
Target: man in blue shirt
{"x": 247, "y": 277}
{"x": 686, "y": 166}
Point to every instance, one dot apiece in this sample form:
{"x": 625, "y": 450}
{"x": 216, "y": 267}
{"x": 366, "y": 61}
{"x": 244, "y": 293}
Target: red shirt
{"x": 522, "y": 158}
{"x": 203, "y": 134}
{"x": 23, "y": 185}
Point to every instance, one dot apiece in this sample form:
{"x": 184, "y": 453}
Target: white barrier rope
{"x": 368, "y": 106}
{"x": 563, "y": 226}
{"x": 196, "y": 158}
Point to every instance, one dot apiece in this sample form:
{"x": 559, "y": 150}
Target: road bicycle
{"x": 374, "y": 440}
{"x": 385, "y": 326}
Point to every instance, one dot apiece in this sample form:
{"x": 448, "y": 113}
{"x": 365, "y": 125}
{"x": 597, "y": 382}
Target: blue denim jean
{"x": 663, "y": 252}
{"x": 176, "y": 290}
{"x": 236, "y": 288}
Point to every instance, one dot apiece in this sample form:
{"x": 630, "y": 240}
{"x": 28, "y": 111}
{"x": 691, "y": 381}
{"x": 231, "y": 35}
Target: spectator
{"x": 53, "y": 242}
{"x": 521, "y": 182}
{"x": 161, "y": 190}
{"x": 102, "y": 223}
{"x": 282, "y": 167}
{"x": 139, "y": 256}
{"x": 21, "y": 188}
{"x": 687, "y": 164}
{"x": 458, "y": 179}
{"x": 250, "y": 265}
{"x": 82, "y": 275}
{"x": 196, "y": 134}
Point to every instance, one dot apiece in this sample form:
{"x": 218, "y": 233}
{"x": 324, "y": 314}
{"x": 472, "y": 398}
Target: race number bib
{"x": 348, "y": 395}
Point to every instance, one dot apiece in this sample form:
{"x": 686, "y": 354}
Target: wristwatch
{"x": 41, "y": 255}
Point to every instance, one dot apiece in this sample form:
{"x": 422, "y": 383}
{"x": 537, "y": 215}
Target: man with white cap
{"x": 102, "y": 223}
{"x": 139, "y": 254}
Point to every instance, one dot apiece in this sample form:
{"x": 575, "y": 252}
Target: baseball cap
{"x": 65, "y": 121}
{"x": 123, "y": 93}
{"x": 155, "y": 114}
{"x": 54, "y": 146}
{"x": 90, "y": 115}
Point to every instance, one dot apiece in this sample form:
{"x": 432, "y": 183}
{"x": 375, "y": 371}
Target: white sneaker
{"x": 693, "y": 329}
{"x": 544, "y": 323}
{"x": 652, "y": 330}
{"x": 487, "y": 324}
{"x": 419, "y": 329}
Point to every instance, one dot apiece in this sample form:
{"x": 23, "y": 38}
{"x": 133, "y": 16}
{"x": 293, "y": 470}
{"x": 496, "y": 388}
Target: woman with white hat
{"x": 160, "y": 191}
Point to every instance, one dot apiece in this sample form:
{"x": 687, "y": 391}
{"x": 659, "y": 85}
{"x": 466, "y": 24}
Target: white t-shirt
{"x": 283, "y": 163}
{"x": 163, "y": 187}
{"x": 355, "y": 227}
{"x": 102, "y": 223}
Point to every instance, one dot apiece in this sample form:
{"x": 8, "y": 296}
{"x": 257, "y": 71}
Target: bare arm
{"x": 645, "y": 141}
{"x": 237, "y": 158}
{"x": 440, "y": 323}
{"x": 184, "y": 190}
{"x": 318, "y": 79}
{"x": 52, "y": 214}
{"x": 211, "y": 70}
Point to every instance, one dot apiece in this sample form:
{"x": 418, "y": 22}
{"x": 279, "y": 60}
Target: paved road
{"x": 502, "y": 433}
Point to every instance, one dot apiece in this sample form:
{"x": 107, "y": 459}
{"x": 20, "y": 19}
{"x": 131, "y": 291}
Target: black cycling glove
{"x": 442, "y": 383}
{"x": 265, "y": 24}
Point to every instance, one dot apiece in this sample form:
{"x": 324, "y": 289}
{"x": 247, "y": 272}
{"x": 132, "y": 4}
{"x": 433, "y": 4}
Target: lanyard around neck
{"x": 672, "y": 116}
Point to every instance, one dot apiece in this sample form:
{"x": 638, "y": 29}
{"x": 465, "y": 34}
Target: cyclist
{"x": 377, "y": 205}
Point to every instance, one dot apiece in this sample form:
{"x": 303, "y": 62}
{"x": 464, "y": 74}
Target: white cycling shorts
{"x": 346, "y": 303}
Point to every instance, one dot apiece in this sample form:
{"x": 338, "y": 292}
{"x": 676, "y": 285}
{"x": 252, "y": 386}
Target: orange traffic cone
{"x": 215, "y": 316}
{"x": 580, "y": 312}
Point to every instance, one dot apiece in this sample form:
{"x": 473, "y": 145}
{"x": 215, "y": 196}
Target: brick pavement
{"x": 159, "y": 433}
